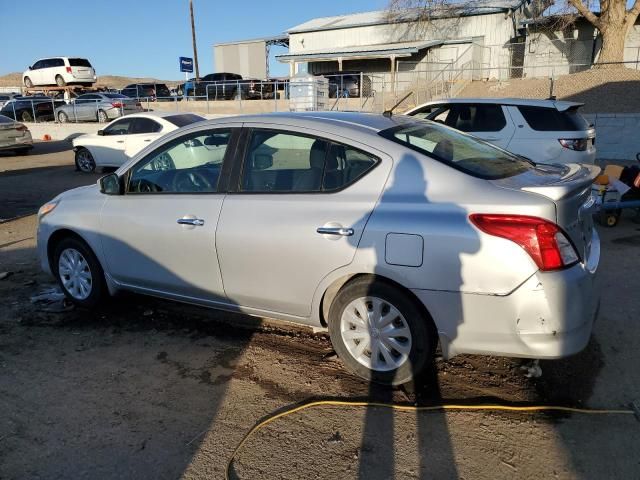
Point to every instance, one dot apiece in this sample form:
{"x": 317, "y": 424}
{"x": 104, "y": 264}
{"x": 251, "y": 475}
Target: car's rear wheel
{"x": 78, "y": 272}
{"x": 63, "y": 117}
{"x": 26, "y": 116}
{"x": 380, "y": 332}
{"x": 102, "y": 116}
{"x": 60, "y": 81}
{"x": 27, "y": 82}
{"x": 84, "y": 160}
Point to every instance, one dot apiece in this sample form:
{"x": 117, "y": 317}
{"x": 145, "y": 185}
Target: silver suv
{"x": 395, "y": 233}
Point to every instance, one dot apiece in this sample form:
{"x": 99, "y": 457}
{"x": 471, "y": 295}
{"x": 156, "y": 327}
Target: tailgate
{"x": 569, "y": 188}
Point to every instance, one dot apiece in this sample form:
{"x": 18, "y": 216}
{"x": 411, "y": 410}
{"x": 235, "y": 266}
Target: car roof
{"x": 155, "y": 114}
{"x": 372, "y": 122}
{"x": 560, "y": 105}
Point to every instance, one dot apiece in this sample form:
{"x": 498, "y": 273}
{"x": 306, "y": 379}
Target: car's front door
{"x": 300, "y": 208}
{"x": 143, "y": 131}
{"x": 108, "y": 148}
{"x": 160, "y": 236}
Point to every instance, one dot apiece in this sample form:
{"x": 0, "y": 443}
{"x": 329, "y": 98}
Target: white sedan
{"x": 124, "y": 137}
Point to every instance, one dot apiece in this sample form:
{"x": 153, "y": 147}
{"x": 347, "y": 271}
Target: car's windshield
{"x": 461, "y": 151}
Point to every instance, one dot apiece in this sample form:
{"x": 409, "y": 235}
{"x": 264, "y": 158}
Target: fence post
{"x": 33, "y": 110}
{"x": 275, "y": 96}
{"x": 207, "y": 93}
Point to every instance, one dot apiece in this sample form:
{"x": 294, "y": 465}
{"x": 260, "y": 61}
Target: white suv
{"x": 59, "y": 71}
{"x": 546, "y": 131}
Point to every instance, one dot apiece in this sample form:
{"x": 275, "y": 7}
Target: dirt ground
{"x": 144, "y": 388}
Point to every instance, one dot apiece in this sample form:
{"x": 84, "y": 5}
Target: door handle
{"x": 119, "y": 141}
{"x": 148, "y": 140}
{"x": 196, "y": 222}
{"x": 345, "y": 232}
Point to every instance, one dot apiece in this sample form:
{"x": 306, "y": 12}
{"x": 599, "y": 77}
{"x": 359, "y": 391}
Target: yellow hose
{"x": 408, "y": 408}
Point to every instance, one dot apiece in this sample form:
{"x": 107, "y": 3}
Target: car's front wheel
{"x": 26, "y": 116}
{"x": 63, "y": 117}
{"x": 84, "y": 160}
{"x": 380, "y": 333}
{"x": 78, "y": 272}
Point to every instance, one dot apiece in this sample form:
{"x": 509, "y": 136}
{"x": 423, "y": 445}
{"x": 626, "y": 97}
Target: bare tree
{"x": 612, "y": 19}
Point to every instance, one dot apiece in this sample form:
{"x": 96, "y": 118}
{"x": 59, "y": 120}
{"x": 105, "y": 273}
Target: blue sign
{"x": 186, "y": 64}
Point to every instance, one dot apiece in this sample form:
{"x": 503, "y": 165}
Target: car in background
{"x": 100, "y": 107}
{"x": 5, "y": 97}
{"x": 124, "y": 137}
{"x": 148, "y": 91}
{"x": 221, "y": 86}
{"x": 28, "y": 109}
{"x": 546, "y": 131}
{"x": 14, "y": 136}
{"x": 60, "y": 71}
{"x": 394, "y": 233}
{"x": 186, "y": 89}
{"x": 347, "y": 84}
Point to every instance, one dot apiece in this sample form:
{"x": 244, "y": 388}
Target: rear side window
{"x": 544, "y": 119}
{"x": 183, "y": 119}
{"x": 144, "y": 125}
{"x": 460, "y": 151}
{"x": 114, "y": 95}
{"x": 283, "y": 162}
{"x": 476, "y": 118}
{"x": 79, "y": 62}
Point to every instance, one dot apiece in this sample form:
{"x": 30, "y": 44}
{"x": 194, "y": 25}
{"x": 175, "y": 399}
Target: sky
{"x": 144, "y": 38}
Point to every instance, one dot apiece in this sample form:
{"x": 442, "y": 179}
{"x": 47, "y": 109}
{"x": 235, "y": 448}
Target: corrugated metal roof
{"x": 381, "y": 17}
{"x": 367, "y": 51}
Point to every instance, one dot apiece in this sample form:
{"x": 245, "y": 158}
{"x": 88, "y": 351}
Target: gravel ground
{"x": 144, "y": 388}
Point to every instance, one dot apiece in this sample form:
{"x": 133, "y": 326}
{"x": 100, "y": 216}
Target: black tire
{"x": 60, "y": 81}
{"x": 63, "y": 117}
{"x": 84, "y": 161}
{"x": 26, "y": 116}
{"x": 27, "y": 82}
{"x": 98, "y": 290}
{"x": 423, "y": 334}
{"x": 102, "y": 116}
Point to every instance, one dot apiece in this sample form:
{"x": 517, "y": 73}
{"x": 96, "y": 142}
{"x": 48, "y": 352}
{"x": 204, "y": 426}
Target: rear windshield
{"x": 79, "y": 62}
{"x": 460, "y": 151}
{"x": 544, "y": 119}
{"x": 184, "y": 119}
{"x": 114, "y": 95}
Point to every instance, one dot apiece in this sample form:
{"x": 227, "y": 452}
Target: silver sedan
{"x": 394, "y": 233}
{"x": 100, "y": 107}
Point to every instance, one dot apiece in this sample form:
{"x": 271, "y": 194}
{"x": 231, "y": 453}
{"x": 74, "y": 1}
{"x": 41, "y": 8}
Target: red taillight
{"x": 22, "y": 128}
{"x": 543, "y": 240}
{"x": 117, "y": 104}
{"x": 68, "y": 69}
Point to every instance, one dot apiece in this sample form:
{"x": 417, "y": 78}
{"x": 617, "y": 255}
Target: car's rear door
{"x": 160, "y": 236}
{"x": 292, "y": 185}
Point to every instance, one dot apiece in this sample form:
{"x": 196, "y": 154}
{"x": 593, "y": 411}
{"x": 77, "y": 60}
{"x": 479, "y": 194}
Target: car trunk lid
{"x": 569, "y": 188}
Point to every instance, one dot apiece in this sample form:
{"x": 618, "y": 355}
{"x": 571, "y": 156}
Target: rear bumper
{"x": 549, "y": 316}
{"x": 25, "y": 141}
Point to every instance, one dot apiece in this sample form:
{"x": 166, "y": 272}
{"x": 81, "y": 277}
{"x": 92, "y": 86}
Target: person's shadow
{"x": 405, "y": 208}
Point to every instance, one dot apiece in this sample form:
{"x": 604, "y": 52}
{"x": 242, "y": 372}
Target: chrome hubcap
{"x": 75, "y": 274}
{"x": 85, "y": 162}
{"x": 376, "y": 334}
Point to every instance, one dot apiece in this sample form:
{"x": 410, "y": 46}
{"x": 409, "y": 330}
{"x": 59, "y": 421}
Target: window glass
{"x": 121, "y": 127}
{"x": 114, "y": 95}
{"x": 79, "y": 62}
{"x": 144, "y": 125}
{"x": 425, "y": 112}
{"x": 461, "y": 151}
{"x": 56, "y": 62}
{"x": 189, "y": 164}
{"x": 183, "y": 119}
{"x": 476, "y": 118}
{"x": 37, "y": 65}
{"x": 287, "y": 162}
{"x": 546, "y": 119}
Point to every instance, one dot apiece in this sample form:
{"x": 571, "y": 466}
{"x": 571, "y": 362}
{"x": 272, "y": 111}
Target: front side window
{"x": 189, "y": 164}
{"x": 463, "y": 152}
{"x": 121, "y": 127}
{"x": 288, "y": 162}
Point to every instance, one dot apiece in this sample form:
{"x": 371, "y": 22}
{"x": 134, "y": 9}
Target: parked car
{"x": 14, "y": 136}
{"x": 546, "y": 131}
{"x": 26, "y": 109}
{"x": 5, "y": 97}
{"x": 124, "y": 137}
{"x": 100, "y": 107}
{"x": 393, "y": 232}
{"x": 221, "y": 86}
{"x": 59, "y": 71}
{"x": 186, "y": 88}
{"x": 347, "y": 84}
{"x": 148, "y": 91}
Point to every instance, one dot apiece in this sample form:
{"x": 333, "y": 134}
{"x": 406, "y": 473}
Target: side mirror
{"x": 111, "y": 185}
{"x": 29, "y": 67}
{"x": 101, "y": 132}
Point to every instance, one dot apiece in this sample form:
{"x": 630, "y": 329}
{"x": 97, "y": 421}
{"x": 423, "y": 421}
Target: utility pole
{"x": 193, "y": 37}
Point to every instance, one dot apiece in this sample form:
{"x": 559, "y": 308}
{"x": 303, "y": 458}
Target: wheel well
{"x": 56, "y": 237}
{"x": 333, "y": 289}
